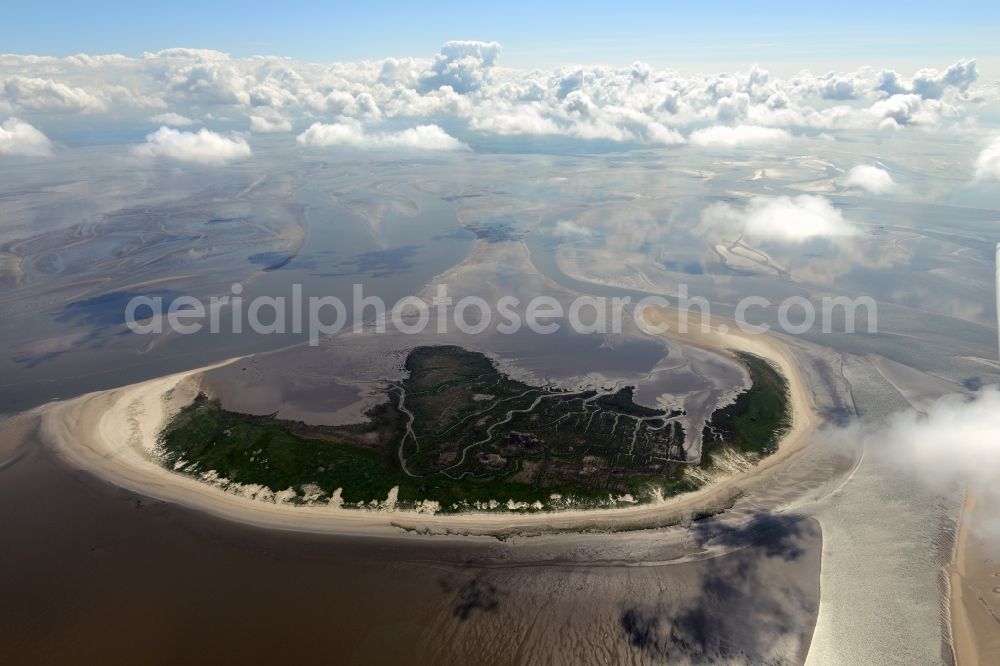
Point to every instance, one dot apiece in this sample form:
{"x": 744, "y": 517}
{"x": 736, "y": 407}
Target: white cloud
{"x": 462, "y": 65}
{"x": 35, "y": 94}
{"x": 953, "y": 440}
{"x": 187, "y": 54}
{"x": 422, "y": 137}
{"x": 988, "y": 162}
{"x": 743, "y": 135}
{"x": 890, "y": 83}
{"x": 203, "y": 147}
{"x": 463, "y": 86}
{"x": 210, "y": 82}
{"x": 269, "y": 125}
{"x": 521, "y": 119}
{"x": 171, "y": 119}
{"x": 787, "y": 219}
{"x": 570, "y": 229}
{"x": 599, "y": 129}
{"x": 85, "y": 60}
{"x": 840, "y": 88}
{"x": 663, "y": 136}
{"x": 957, "y": 438}
{"x": 19, "y": 138}
{"x": 931, "y": 84}
{"x": 870, "y": 178}
{"x": 899, "y": 110}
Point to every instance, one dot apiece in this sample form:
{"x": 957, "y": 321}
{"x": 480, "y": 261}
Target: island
{"x": 144, "y": 437}
{"x": 457, "y": 434}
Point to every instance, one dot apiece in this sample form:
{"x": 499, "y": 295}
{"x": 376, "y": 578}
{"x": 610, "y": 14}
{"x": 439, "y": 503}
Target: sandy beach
{"x": 112, "y": 434}
{"x": 974, "y": 591}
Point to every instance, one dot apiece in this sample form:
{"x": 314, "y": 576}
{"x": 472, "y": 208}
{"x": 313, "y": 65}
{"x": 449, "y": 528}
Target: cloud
{"x": 901, "y": 110}
{"x": 839, "y": 88}
{"x": 209, "y": 82}
{"x": 171, "y": 119}
{"x": 522, "y": 119}
{"x": 463, "y": 86}
{"x": 743, "y": 135}
{"x": 35, "y": 94}
{"x": 954, "y": 440}
{"x": 786, "y": 219}
{"x": 462, "y": 65}
{"x": 203, "y": 146}
{"x": 269, "y": 125}
{"x": 988, "y": 162}
{"x": 662, "y": 135}
{"x": 889, "y": 83}
{"x": 570, "y": 229}
{"x": 870, "y": 178}
{"x": 186, "y": 54}
{"x": 957, "y": 438}
{"x": 19, "y": 138}
{"x": 422, "y": 137}
{"x": 931, "y": 84}
{"x": 568, "y": 82}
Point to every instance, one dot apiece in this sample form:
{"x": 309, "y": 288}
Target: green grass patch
{"x": 758, "y": 418}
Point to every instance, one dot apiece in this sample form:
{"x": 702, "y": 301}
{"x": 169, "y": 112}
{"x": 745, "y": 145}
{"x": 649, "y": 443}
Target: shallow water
{"x": 59, "y": 348}
{"x": 97, "y": 574}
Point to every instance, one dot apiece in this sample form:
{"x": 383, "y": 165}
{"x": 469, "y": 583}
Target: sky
{"x": 700, "y": 35}
{"x": 460, "y": 77}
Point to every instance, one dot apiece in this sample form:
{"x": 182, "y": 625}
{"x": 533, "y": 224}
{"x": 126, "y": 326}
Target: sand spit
{"x": 113, "y": 433}
{"x": 975, "y": 584}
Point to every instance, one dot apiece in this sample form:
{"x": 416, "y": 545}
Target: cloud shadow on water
{"x": 744, "y": 610}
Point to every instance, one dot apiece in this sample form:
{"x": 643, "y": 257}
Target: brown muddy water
{"x": 95, "y": 574}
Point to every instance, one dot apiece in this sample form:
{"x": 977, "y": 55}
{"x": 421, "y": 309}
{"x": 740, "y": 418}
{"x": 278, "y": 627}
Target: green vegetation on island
{"x": 462, "y": 434}
{"x": 755, "y": 422}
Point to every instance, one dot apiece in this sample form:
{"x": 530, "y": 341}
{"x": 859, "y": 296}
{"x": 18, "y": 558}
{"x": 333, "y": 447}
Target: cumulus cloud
{"x": 901, "y": 110}
{"x": 522, "y": 119}
{"x": 462, "y": 65}
{"x": 19, "y": 138}
{"x": 175, "y": 119}
{"x": 988, "y": 162}
{"x": 659, "y": 134}
{"x": 209, "y": 82}
{"x": 186, "y": 54}
{"x": 889, "y": 82}
{"x": 570, "y": 229}
{"x": 203, "y": 146}
{"x": 36, "y": 94}
{"x": 870, "y": 178}
{"x": 954, "y": 440}
{"x": 931, "y": 84}
{"x": 354, "y": 135}
{"x": 463, "y": 86}
{"x": 840, "y": 88}
{"x": 743, "y": 135}
{"x": 785, "y": 219}
{"x": 267, "y": 125}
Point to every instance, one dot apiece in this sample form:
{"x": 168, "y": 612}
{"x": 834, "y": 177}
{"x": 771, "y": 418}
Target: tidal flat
{"x": 408, "y": 227}
{"x": 439, "y": 600}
